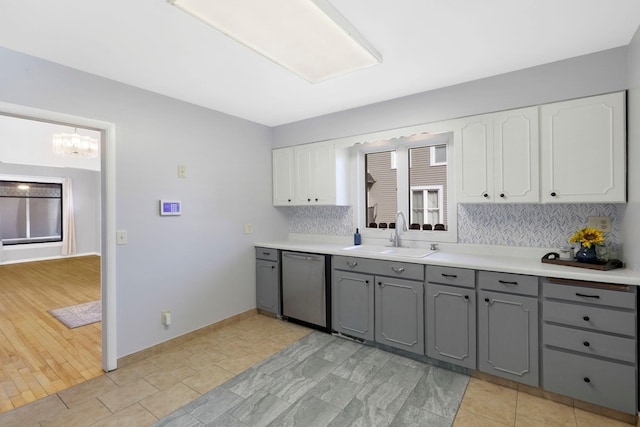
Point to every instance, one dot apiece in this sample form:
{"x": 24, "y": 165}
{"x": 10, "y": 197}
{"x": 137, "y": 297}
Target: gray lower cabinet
{"x": 508, "y": 327}
{"x": 589, "y": 342}
{"x": 267, "y": 280}
{"x": 382, "y": 301}
{"x": 352, "y": 304}
{"x": 450, "y": 315}
{"x": 399, "y": 315}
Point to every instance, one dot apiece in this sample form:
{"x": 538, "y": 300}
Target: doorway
{"x": 107, "y": 214}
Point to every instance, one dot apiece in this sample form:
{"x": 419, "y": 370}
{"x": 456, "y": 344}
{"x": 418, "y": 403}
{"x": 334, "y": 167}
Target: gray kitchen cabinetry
{"x": 450, "y": 314}
{"x": 352, "y": 298}
{"x": 589, "y": 342}
{"x": 267, "y": 280}
{"x": 508, "y": 326}
{"x": 389, "y": 308}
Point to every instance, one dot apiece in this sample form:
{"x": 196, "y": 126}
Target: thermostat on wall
{"x": 170, "y": 207}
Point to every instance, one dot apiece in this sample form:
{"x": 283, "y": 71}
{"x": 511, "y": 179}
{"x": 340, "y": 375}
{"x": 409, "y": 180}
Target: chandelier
{"x": 75, "y": 145}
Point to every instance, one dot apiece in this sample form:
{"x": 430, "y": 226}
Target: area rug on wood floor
{"x": 80, "y": 314}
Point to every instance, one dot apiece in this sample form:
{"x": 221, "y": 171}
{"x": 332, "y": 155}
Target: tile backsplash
{"x": 532, "y": 225}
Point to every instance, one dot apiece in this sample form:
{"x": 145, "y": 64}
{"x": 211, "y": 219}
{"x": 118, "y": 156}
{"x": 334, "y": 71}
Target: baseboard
{"x": 174, "y": 342}
{"x": 20, "y": 261}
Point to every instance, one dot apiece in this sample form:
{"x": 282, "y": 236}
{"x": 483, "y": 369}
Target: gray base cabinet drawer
{"x": 590, "y": 343}
{"x": 402, "y": 270}
{"x": 590, "y": 295}
{"x": 507, "y": 282}
{"x": 588, "y": 317}
{"x": 451, "y": 276}
{"x": 591, "y": 380}
{"x": 267, "y": 254}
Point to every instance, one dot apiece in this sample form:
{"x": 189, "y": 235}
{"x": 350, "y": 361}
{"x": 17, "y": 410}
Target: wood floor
{"x": 39, "y": 355}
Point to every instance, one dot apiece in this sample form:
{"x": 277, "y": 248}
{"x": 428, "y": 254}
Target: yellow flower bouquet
{"x": 588, "y": 237}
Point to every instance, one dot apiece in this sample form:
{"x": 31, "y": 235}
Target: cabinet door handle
{"x": 485, "y": 195}
{"x": 308, "y": 200}
{"x": 505, "y": 282}
{"x": 273, "y": 266}
{"x": 553, "y": 194}
{"x": 587, "y": 379}
{"x": 379, "y": 283}
{"x": 316, "y": 199}
{"x": 366, "y": 282}
{"x": 398, "y": 269}
{"x": 450, "y": 276}
{"x": 586, "y": 318}
{"x": 587, "y": 296}
{"x": 586, "y": 343}
{"x": 487, "y": 300}
{"x": 288, "y": 200}
{"x": 466, "y": 297}
{"x": 352, "y": 264}
{"x": 502, "y": 195}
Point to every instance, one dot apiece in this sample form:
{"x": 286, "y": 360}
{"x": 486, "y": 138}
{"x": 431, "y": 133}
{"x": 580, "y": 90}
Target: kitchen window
{"x": 417, "y": 186}
{"x": 30, "y": 212}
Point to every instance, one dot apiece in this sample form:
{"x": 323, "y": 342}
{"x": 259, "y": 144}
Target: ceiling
{"x": 425, "y": 44}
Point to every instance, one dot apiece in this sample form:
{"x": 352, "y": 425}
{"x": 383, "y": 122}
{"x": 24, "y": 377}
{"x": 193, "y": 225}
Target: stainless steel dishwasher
{"x": 305, "y": 291}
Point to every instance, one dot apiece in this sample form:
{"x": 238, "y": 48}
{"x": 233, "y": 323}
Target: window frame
{"x": 402, "y": 141}
{"x": 425, "y": 189}
{"x": 43, "y": 180}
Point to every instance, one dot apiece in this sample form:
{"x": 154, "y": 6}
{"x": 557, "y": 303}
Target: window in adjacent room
{"x": 428, "y": 186}
{"x": 381, "y": 188}
{"x": 30, "y": 212}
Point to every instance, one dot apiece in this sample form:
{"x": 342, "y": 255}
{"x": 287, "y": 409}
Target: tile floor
{"x": 232, "y": 376}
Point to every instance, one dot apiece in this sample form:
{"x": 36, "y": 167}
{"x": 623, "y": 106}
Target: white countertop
{"x": 507, "y": 260}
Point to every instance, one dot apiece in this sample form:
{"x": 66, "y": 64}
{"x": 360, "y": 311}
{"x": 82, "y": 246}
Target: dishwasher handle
{"x": 302, "y": 257}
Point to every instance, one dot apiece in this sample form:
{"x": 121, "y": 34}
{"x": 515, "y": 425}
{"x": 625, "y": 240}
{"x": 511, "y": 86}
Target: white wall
{"x": 198, "y": 265}
{"x": 86, "y": 201}
{"x": 592, "y": 74}
{"x": 631, "y": 229}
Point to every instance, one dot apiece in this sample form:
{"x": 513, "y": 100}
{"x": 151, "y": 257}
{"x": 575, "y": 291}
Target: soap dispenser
{"x": 356, "y": 237}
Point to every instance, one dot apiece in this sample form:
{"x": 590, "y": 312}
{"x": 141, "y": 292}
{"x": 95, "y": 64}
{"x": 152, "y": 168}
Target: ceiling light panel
{"x": 308, "y": 37}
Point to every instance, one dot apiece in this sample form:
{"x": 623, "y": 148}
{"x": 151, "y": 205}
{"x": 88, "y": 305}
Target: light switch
{"x": 182, "y": 171}
{"x": 121, "y": 237}
{"x": 248, "y": 228}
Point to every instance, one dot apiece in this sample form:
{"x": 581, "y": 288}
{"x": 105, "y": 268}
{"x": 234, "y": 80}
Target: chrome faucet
{"x": 395, "y": 238}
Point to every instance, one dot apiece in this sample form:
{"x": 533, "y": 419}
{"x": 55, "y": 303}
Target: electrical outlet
{"x": 182, "y": 171}
{"x": 248, "y": 228}
{"x": 600, "y": 222}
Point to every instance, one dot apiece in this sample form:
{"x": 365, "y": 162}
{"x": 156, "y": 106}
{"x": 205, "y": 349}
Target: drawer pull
{"x": 586, "y": 318}
{"x": 587, "y": 379}
{"x": 450, "y": 276}
{"x": 266, "y": 253}
{"x": 505, "y": 282}
{"x": 352, "y": 264}
{"x": 398, "y": 269}
{"x": 586, "y": 344}
{"x": 587, "y": 296}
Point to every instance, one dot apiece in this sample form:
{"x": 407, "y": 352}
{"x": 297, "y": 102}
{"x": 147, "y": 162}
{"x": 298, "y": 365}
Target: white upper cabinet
{"x": 497, "y": 158}
{"x": 310, "y": 174}
{"x": 283, "y": 176}
{"x": 583, "y": 150}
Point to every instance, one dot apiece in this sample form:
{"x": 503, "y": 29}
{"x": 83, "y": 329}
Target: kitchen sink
{"x": 389, "y": 250}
